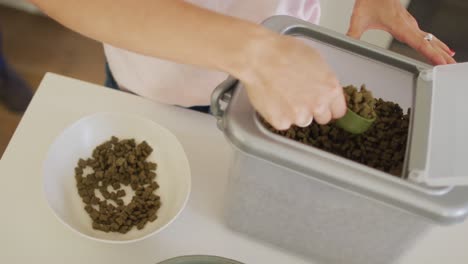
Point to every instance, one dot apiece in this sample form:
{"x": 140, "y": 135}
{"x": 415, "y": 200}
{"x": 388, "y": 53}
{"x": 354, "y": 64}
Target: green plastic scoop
{"x": 354, "y": 123}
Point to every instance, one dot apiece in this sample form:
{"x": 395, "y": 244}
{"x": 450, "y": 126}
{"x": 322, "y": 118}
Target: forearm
{"x": 168, "y": 29}
{"x": 287, "y": 81}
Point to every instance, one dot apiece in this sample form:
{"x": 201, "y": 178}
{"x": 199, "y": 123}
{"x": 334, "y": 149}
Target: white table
{"x": 30, "y": 233}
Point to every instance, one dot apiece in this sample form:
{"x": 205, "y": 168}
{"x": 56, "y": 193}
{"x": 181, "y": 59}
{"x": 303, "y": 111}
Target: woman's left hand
{"x": 391, "y": 16}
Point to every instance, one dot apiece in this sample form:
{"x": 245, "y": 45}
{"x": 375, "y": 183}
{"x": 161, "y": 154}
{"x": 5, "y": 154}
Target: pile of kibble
{"x": 113, "y": 164}
{"x": 382, "y": 147}
{"x": 360, "y": 102}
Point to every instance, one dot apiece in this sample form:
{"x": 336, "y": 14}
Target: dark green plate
{"x": 199, "y": 259}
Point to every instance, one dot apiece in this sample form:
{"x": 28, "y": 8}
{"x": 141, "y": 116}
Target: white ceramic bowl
{"x": 79, "y": 140}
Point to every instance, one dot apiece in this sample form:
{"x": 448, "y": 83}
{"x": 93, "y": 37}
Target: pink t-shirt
{"x": 186, "y": 85}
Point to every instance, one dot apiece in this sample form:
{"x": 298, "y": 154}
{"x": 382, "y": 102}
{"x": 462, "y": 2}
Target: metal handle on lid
{"x": 222, "y": 93}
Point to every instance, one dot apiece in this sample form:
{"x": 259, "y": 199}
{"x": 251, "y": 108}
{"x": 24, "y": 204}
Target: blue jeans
{"x": 111, "y": 83}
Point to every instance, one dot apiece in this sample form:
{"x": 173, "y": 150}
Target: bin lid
{"x": 441, "y": 120}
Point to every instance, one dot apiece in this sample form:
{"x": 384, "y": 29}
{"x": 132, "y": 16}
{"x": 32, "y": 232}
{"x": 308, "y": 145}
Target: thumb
{"x": 356, "y": 28}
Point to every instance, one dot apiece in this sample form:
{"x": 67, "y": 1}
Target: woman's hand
{"x": 391, "y": 16}
{"x": 289, "y": 83}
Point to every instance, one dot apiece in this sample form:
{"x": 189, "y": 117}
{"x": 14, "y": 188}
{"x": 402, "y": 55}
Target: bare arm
{"x": 287, "y": 81}
{"x": 168, "y": 29}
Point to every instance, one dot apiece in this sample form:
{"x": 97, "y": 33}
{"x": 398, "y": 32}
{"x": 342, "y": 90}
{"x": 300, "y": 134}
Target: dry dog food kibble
{"x": 382, "y": 147}
{"x": 360, "y": 102}
{"x": 114, "y": 164}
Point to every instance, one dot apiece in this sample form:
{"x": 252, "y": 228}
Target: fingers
{"x": 358, "y": 23}
{"x": 276, "y": 116}
{"x": 303, "y": 117}
{"x": 445, "y": 50}
{"x": 293, "y": 85}
{"x": 322, "y": 115}
{"x": 403, "y": 26}
{"x": 429, "y": 49}
{"x": 437, "y": 52}
{"x": 331, "y": 107}
{"x": 270, "y": 108}
{"x": 321, "y": 112}
{"x": 448, "y": 58}
{"x": 432, "y": 53}
{"x": 434, "y": 50}
{"x": 435, "y": 41}
{"x": 305, "y": 123}
{"x": 356, "y": 27}
{"x": 355, "y": 32}
{"x": 279, "y": 122}
{"x": 282, "y": 119}
{"x": 338, "y": 107}
{"x": 444, "y": 47}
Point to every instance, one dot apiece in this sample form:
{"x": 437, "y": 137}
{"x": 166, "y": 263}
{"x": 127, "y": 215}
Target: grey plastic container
{"x": 317, "y": 204}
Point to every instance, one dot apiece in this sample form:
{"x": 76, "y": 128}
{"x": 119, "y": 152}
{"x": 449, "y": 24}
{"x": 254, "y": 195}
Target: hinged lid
{"x": 439, "y": 152}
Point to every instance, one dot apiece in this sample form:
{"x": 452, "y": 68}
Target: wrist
{"x": 254, "y": 46}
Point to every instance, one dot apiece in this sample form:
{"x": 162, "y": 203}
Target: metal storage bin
{"x": 334, "y": 210}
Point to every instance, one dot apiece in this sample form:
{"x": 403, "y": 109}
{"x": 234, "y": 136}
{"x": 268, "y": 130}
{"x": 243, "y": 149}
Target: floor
{"x": 34, "y": 45}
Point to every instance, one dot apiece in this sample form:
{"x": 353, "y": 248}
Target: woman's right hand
{"x": 289, "y": 83}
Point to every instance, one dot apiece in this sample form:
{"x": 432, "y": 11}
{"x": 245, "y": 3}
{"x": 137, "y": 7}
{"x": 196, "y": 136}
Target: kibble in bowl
{"x": 116, "y": 177}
